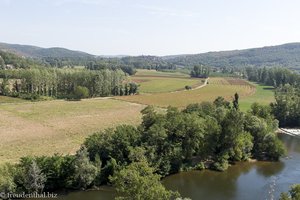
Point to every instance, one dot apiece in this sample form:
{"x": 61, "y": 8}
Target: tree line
{"x": 64, "y": 83}
{"x": 200, "y": 71}
{"x": 134, "y": 159}
{"x": 272, "y": 76}
{"x": 286, "y": 107}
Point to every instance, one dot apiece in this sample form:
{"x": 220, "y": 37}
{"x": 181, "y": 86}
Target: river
{"x": 242, "y": 181}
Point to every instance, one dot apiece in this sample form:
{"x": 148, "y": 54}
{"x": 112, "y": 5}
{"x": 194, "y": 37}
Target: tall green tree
{"x": 34, "y": 179}
{"x": 137, "y": 181}
{"x": 85, "y": 171}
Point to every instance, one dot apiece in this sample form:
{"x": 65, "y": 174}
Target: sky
{"x": 150, "y": 27}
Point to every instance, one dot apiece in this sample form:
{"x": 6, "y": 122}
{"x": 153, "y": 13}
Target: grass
{"x": 163, "y": 84}
{"x": 48, "y": 127}
{"x": 152, "y": 81}
{"x": 216, "y": 87}
{"x": 5, "y": 99}
{"x": 146, "y": 72}
{"x": 45, "y": 128}
{"x": 263, "y": 95}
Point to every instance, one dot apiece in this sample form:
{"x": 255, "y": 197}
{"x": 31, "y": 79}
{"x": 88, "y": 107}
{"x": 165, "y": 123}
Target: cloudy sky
{"x": 156, "y": 27}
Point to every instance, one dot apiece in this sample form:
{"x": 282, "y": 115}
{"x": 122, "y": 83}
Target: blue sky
{"x": 150, "y": 27}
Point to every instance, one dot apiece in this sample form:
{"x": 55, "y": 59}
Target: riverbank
{"x": 290, "y": 131}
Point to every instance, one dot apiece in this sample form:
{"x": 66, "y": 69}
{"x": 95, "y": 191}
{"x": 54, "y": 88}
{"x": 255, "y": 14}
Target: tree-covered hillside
{"x": 38, "y": 52}
{"x": 287, "y": 55}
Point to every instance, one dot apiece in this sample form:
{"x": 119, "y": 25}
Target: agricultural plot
{"x": 163, "y": 84}
{"x": 145, "y": 72}
{"x": 225, "y": 87}
{"x": 45, "y": 128}
{"x": 5, "y": 99}
{"x": 263, "y": 95}
{"x": 152, "y": 81}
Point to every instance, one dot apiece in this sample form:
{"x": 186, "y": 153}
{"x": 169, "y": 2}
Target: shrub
{"x": 187, "y": 87}
{"x": 79, "y": 92}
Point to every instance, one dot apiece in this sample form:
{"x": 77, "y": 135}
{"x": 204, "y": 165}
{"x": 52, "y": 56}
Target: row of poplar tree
{"x": 62, "y": 83}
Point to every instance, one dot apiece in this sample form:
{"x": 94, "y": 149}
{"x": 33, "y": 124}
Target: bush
{"x": 31, "y": 97}
{"x": 79, "y": 92}
{"x": 187, "y": 87}
{"x": 200, "y": 166}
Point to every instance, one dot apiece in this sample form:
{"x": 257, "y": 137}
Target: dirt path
{"x": 201, "y": 86}
{"x": 196, "y": 88}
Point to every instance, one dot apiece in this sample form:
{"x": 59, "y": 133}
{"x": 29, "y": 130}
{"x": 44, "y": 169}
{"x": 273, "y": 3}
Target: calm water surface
{"x": 243, "y": 181}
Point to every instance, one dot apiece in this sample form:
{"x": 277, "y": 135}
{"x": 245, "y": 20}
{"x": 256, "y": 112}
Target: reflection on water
{"x": 258, "y": 180}
{"x": 243, "y": 181}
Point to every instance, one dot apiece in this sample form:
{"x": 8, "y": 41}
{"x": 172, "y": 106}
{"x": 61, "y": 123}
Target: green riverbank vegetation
{"x": 134, "y": 159}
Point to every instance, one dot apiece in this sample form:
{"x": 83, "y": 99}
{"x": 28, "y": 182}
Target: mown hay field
{"x": 164, "y": 84}
{"x": 145, "y": 72}
{"x": 45, "y": 128}
{"x": 225, "y": 87}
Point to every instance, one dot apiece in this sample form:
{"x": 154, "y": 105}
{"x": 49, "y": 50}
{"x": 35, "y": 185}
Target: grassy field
{"x": 217, "y": 87}
{"x": 145, "y": 72}
{"x": 45, "y": 128}
{"x": 58, "y": 126}
{"x": 152, "y": 81}
{"x": 163, "y": 84}
{"x": 263, "y": 95}
{"x": 5, "y": 99}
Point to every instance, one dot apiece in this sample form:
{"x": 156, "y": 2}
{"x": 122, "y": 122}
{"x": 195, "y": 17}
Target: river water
{"x": 242, "y": 181}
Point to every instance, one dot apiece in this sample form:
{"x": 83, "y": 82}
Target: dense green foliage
{"x": 138, "y": 181}
{"x": 133, "y": 159}
{"x": 64, "y": 83}
{"x": 287, "y": 106}
{"x": 272, "y": 76}
{"x": 200, "y": 71}
{"x": 294, "y": 193}
{"x": 279, "y": 56}
{"x": 10, "y": 60}
{"x": 286, "y": 55}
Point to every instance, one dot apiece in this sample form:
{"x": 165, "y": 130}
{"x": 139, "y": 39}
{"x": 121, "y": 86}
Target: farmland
{"x": 58, "y": 126}
{"x": 146, "y": 73}
{"x": 151, "y": 81}
{"x": 45, "y": 128}
{"x": 225, "y": 87}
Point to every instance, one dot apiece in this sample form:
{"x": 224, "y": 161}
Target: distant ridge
{"x": 38, "y": 52}
{"x": 286, "y": 55}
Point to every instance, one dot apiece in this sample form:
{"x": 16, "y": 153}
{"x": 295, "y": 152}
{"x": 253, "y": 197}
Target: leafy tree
{"x": 2, "y": 63}
{"x": 294, "y": 193}
{"x": 221, "y": 102}
{"x": 85, "y": 171}
{"x": 138, "y": 181}
{"x": 200, "y": 71}
{"x": 7, "y": 184}
{"x": 287, "y": 106}
{"x": 81, "y": 92}
{"x": 58, "y": 169}
{"x": 34, "y": 179}
{"x": 235, "y": 101}
{"x": 133, "y": 88}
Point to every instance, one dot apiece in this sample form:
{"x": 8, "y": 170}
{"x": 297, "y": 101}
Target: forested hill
{"x": 286, "y": 55}
{"x": 38, "y": 52}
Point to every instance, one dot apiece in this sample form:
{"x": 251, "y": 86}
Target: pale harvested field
{"x": 45, "y": 128}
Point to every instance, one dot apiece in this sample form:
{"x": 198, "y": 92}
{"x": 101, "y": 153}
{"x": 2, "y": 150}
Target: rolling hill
{"x": 38, "y": 52}
{"x": 286, "y": 55}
